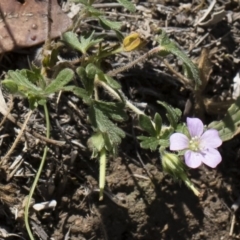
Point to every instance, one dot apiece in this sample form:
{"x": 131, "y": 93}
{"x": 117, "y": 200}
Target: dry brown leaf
{"x": 205, "y": 69}
{"x": 214, "y": 107}
{"x": 25, "y": 23}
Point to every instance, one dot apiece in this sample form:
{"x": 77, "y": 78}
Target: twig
{"x": 185, "y": 81}
{"x": 35, "y": 134}
{"x": 107, "y": 5}
{"x": 17, "y": 138}
{"x": 232, "y": 224}
{"x": 234, "y": 208}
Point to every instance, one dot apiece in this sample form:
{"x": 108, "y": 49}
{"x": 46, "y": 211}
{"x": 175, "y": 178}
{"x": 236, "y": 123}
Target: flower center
{"x": 194, "y": 144}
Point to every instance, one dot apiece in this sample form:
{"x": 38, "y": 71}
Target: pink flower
{"x": 200, "y": 147}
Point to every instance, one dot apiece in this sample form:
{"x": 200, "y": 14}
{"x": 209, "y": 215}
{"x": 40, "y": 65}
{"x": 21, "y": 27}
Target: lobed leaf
{"x": 112, "y": 110}
{"x": 158, "y": 123}
{"x": 10, "y": 85}
{"x": 147, "y": 125}
{"x": 107, "y": 24}
{"x": 92, "y": 70}
{"x": 62, "y": 79}
{"x": 23, "y": 83}
{"x": 228, "y": 127}
{"x": 88, "y": 42}
{"x": 101, "y": 122}
{"x": 149, "y": 142}
{"x": 72, "y": 40}
{"x": 88, "y": 83}
{"x": 80, "y": 92}
{"x": 173, "y": 114}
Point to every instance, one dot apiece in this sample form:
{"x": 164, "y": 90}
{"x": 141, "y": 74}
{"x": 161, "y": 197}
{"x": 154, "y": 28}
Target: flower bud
{"x": 172, "y": 164}
{"x": 132, "y": 42}
{"x": 176, "y": 168}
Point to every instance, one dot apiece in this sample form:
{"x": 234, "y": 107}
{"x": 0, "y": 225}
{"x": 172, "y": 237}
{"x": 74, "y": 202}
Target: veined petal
{"x": 195, "y": 127}
{"x": 178, "y": 141}
{"x": 211, "y": 157}
{"x": 193, "y": 159}
{"x": 211, "y": 139}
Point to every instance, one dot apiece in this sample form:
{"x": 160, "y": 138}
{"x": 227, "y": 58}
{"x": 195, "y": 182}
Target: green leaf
{"x": 80, "y": 92}
{"x": 109, "y": 80}
{"x": 112, "y": 82}
{"x": 149, "y": 142}
{"x": 50, "y": 60}
{"x": 107, "y": 24}
{"x": 173, "y": 114}
{"x": 88, "y": 42}
{"x": 81, "y": 45}
{"x": 33, "y": 101}
{"x": 10, "y": 85}
{"x": 34, "y": 77}
{"x": 164, "y": 143}
{"x": 228, "y": 127}
{"x": 146, "y": 124}
{"x": 63, "y": 78}
{"x": 128, "y": 5}
{"x": 101, "y": 122}
{"x": 72, "y": 40}
{"x": 182, "y": 128}
{"x": 25, "y": 87}
{"x": 96, "y": 142}
{"x": 158, "y": 123}
{"x": 166, "y": 132}
{"x": 107, "y": 142}
{"x": 88, "y": 83}
{"x": 93, "y": 11}
{"x": 112, "y": 110}
{"x": 169, "y": 46}
{"x": 92, "y": 70}
{"x": 20, "y": 84}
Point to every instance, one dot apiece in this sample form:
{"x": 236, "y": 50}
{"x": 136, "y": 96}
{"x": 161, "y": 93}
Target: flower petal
{"x": 178, "y": 141}
{"x": 211, "y": 139}
{"x": 195, "y": 127}
{"x": 193, "y": 159}
{"x": 211, "y": 157}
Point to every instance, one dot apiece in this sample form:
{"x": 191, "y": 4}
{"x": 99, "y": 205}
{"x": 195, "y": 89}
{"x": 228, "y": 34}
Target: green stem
{"x": 190, "y": 185}
{"x": 26, "y": 212}
{"x": 116, "y": 96}
{"x": 102, "y": 172}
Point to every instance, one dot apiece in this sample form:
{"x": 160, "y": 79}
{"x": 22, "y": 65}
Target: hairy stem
{"x": 190, "y": 185}
{"x": 26, "y": 212}
{"x": 116, "y": 96}
{"x": 131, "y": 64}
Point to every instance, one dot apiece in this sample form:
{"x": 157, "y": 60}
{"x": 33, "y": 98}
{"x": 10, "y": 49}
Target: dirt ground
{"x": 140, "y": 201}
